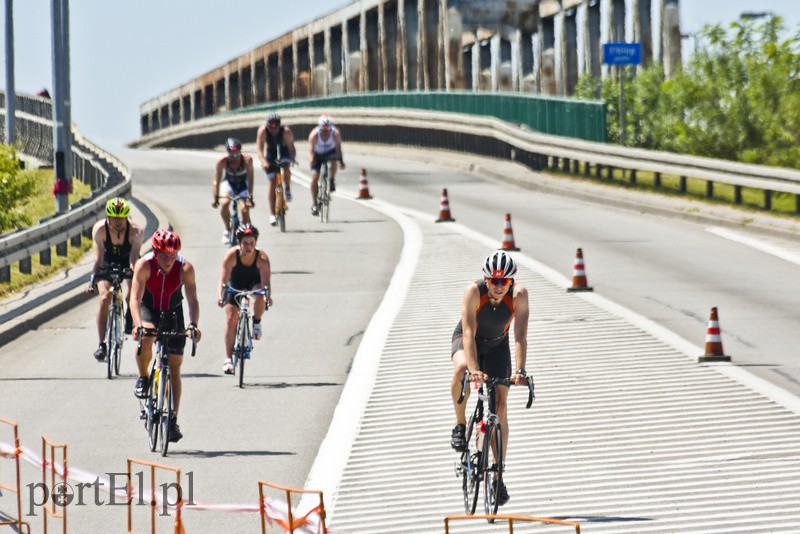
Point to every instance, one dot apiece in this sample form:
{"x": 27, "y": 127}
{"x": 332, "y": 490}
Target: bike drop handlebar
{"x": 240, "y": 294}
{"x": 155, "y": 332}
{"x": 491, "y": 383}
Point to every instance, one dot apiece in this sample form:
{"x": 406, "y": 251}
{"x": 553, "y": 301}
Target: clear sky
{"x": 126, "y": 52}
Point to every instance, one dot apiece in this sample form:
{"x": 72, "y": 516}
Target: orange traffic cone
{"x": 444, "y": 209}
{"x": 713, "y": 341}
{"x": 579, "y": 274}
{"x": 508, "y": 235}
{"x": 363, "y": 187}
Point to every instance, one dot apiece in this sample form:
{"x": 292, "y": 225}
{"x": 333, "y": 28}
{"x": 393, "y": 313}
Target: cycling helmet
{"x": 499, "y": 265}
{"x": 233, "y": 145}
{"x": 325, "y": 121}
{"x": 166, "y": 241}
{"x": 246, "y": 230}
{"x": 273, "y": 119}
{"x": 117, "y": 208}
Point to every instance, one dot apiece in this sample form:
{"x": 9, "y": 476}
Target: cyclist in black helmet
{"x": 233, "y": 178}
{"x": 117, "y": 241}
{"x": 276, "y": 142}
{"x": 480, "y": 342}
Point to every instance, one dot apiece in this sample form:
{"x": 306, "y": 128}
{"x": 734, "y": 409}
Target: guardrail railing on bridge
{"x": 106, "y": 175}
{"x": 494, "y": 138}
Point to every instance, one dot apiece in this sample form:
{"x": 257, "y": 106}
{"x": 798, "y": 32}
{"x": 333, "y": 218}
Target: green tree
{"x": 15, "y": 188}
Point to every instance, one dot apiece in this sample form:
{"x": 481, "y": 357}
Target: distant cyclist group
{"x": 481, "y": 348}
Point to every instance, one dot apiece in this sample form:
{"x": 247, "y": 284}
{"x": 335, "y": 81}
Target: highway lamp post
{"x": 11, "y": 97}
{"x": 62, "y": 138}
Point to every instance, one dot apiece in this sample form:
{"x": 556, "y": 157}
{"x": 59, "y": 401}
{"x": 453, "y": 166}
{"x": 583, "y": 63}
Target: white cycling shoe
{"x": 226, "y": 239}
{"x": 227, "y": 367}
{"x": 257, "y": 331}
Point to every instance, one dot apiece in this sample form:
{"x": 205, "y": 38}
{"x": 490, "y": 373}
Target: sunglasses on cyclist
{"x": 273, "y": 124}
{"x": 499, "y": 281}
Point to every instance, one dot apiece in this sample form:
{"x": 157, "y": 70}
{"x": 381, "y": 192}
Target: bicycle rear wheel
{"x": 326, "y": 209}
{"x": 151, "y": 413}
{"x": 165, "y": 413}
{"x": 244, "y": 344}
{"x": 492, "y": 476}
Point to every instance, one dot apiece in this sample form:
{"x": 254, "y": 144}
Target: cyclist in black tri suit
{"x": 117, "y": 242}
{"x": 245, "y": 268}
{"x": 233, "y": 179}
{"x": 481, "y": 344}
{"x": 275, "y": 142}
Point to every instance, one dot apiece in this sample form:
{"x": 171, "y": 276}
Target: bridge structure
{"x": 535, "y": 47}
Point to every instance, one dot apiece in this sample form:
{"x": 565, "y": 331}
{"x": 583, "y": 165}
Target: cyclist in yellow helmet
{"x": 117, "y": 241}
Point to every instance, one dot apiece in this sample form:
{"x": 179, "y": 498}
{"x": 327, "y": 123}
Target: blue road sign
{"x": 622, "y": 53}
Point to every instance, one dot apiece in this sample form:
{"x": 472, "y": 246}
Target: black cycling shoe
{"x": 314, "y": 210}
{"x": 458, "y": 441}
{"x": 141, "y": 387}
{"x": 175, "y": 434}
{"x": 101, "y": 352}
{"x": 333, "y": 186}
{"x": 502, "y": 495}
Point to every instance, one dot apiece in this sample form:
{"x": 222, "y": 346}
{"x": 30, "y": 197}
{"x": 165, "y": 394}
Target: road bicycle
{"x": 235, "y": 221}
{"x": 323, "y": 193}
{"x": 474, "y": 467}
{"x": 243, "y": 343}
{"x": 158, "y": 406}
{"x": 280, "y": 198}
{"x": 115, "y": 322}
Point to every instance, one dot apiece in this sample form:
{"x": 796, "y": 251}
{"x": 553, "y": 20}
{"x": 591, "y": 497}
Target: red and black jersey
{"x": 163, "y": 290}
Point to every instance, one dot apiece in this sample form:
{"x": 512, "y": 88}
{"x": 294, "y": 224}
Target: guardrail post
{"x": 737, "y": 194}
{"x": 75, "y": 240}
{"x": 767, "y": 199}
{"x": 25, "y": 266}
{"x": 45, "y": 257}
{"x": 5, "y": 274}
{"x": 657, "y": 179}
{"x": 610, "y": 173}
{"x": 576, "y": 166}
{"x": 587, "y": 169}
{"x": 632, "y": 177}
{"x": 797, "y": 204}
{"x": 565, "y": 165}
{"x": 709, "y": 189}
{"x": 61, "y": 249}
{"x": 598, "y": 171}
{"x": 683, "y": 184}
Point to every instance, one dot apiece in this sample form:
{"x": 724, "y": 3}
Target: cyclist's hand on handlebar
{"x": 215, "y": 204}
{"x": 519, "y": 379}
{"x": 477, "y": 376}
{"x": 342, "y": 165}
{"x": 195, "y": 333}
{"x": 136, "y": 332}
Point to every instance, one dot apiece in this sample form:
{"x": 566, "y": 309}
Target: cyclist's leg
{"x": 175, "y": 362}
{"x": 315, "y": 166}
{"x": 231, "y": 318}
{"x": 244, "y": 208}
{"x": 333, "y": 166}
{"x": 287, "y": 174}
{"x": 225, "y": 207}
{"x": 104, "y": 295}
{"x": 459, "y": 366}
{"x": 128, "y": 316}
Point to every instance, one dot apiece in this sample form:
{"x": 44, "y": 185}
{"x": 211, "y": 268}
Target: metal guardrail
{"x": 107, "y": 176}
{"x": 492, "y": 137}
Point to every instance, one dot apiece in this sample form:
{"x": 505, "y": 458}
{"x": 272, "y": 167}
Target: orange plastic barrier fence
{"x": 14, "y": 455}
{"x": 57, "y": 491}
{"x": 291, "y": 524}
{"x": 153, "y": 497}
{"x": 511, "y": 519}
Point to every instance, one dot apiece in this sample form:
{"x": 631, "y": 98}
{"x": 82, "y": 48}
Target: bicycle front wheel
{"x": 492, "y": 476}
{"x": 110, "y": 338}
{"x": 165, "y": 413}
{"x": 119, "y": 336}
{"x": 244, "y": 345}
{"x": 471, "y": 462}
{"x": 325, "y": 211}
{"x": 151, "y": 414}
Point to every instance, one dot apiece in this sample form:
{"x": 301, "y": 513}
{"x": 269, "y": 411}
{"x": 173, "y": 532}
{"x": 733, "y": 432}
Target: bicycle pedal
{"x": 143, "y": 415}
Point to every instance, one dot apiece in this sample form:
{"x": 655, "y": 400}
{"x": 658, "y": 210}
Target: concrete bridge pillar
{"x": 476, "y": 64}
{"x": 452, "y": 30}
{"x": 329, "y": 62}
{"x": 383, "y": 78}
{"x": 671, "y": 37}
{"x": 643, "y": 30}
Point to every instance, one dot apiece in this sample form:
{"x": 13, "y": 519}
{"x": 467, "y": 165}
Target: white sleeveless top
{"x": 323, "y": 147}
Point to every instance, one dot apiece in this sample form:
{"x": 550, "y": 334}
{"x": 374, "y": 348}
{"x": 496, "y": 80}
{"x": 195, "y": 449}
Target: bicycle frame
{"x": 115, "y": 319}
{"x": 474, "y": 466}
{"x": 243, "y": 344}
{"x": 323, "y": 192}
{"x": 280, "y": 198}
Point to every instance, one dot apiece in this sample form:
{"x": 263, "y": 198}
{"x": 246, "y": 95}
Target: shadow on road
{"x": 217, "y": 454}
{"x": 283, "y": 385}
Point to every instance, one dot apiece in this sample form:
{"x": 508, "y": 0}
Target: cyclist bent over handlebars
{"x": 481, "y": 344}
{"x": 233, "y": 178}
{"x": 157, "y": 281}
{"x": 272, "y": 139}
{"x": 324, "y": 144}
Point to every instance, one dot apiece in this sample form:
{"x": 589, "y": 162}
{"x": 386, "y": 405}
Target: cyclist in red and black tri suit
{"x": 481, "y": 344}
{"x": 117, "y": 242}
{"x": 157, "y": 281}
{"x": 245, "y": 268}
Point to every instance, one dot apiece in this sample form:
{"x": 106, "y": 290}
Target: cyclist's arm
{"x": 469, "y": 326}
{"x": 248, "y": 165}
{"x": 215, "y": 183}
{"x": 225, "y": 273}
{"x": 521, "y": 313}
{"x": 141, "y": 272}
{"x": 312, "y": 140}
{"x": 337, "y": 143}
{"x": 288, "y": 140}
{"x": 137, "y": 237}
{"x": 261, "y": 141}
{"x": 266, "y": 270}
{"x": 98, "y": 242}
{"x": 188, "y": 279}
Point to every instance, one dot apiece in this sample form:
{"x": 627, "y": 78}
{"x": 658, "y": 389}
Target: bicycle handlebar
{"x": 155, "y": 332}
{"x": 240, "y": 294}
{"x": 491, "y": 383}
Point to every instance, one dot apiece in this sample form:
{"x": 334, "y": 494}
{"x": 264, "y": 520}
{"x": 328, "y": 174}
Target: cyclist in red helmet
{"x": 117, "y": 242}
{"x": 233, "y": 180}
{"x": 246, "y": 268}
{"x": 157, "y": 281}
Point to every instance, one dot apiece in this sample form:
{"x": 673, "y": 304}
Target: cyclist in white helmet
{"x": 480, "y": 342}
{"x": 324, "y": 144}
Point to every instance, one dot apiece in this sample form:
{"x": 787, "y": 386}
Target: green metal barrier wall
{"x": 579, "y": 119}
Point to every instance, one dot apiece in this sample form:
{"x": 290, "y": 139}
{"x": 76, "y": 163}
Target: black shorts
{"x": 316, "y": 164}
{"x": 273, "y": 167}
{"x": 171, "y": 322}
{"x": 495, "y": 361}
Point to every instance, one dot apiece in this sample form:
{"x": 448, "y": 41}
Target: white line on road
{"x": 756, "y": 244}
